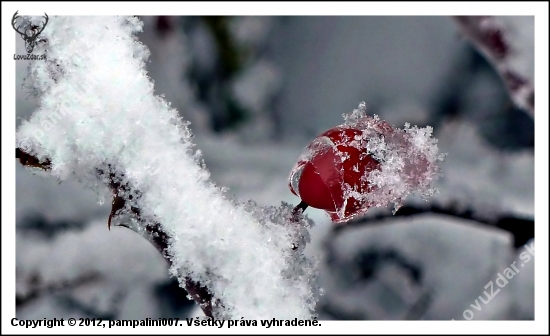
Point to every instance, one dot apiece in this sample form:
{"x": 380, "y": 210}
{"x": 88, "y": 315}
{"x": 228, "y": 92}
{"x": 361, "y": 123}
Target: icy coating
{"x": 98, "y": 112}
{"x": 372, "y": 164}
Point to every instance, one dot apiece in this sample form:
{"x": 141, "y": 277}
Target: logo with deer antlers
{"x": 30, "y": 32}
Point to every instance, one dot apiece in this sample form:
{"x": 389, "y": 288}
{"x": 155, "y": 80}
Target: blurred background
{"x": 257, "y": 90}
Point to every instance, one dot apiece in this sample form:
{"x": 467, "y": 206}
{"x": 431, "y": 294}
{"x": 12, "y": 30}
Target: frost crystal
{"x": 98, "y": 112}
{"x": 408, "y": 159}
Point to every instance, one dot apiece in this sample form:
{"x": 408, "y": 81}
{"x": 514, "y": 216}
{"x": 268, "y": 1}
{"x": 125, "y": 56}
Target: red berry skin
{"x": 338, "y": 164}
{"x": 319, "y": 183}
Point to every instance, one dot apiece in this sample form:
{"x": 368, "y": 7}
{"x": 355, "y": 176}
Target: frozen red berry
{"x": 336, "y": 163}
{"x": 363, "y": 163}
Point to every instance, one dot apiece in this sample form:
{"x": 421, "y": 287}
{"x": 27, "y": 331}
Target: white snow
{"x": 111, "y": 116}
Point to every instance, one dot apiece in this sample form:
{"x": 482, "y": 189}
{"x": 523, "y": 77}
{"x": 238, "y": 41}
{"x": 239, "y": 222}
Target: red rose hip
{"x": 365, "y": 163}
{"x": 333, "y": 168}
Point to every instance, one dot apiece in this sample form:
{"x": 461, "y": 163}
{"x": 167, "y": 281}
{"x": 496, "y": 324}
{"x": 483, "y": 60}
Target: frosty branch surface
{"x": 100, "y": 122}
{"x": 491, "y": 38}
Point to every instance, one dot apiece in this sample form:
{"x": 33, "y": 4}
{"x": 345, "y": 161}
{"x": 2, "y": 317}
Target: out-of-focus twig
{"x": 523, "y": 229}
{"x": 38, "y": 287}
{"x": 490, "y": 38}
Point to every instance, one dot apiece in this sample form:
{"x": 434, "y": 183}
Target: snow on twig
{"x": 491, "y": 37}
{"x": 99, "y": 121}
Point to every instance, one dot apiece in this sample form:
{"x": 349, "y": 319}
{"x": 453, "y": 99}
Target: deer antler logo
{"x": 30, "y": 33}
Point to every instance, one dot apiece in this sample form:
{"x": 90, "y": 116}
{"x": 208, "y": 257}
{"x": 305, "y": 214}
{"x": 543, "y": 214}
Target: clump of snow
{"x": 98, "y": 113}
{"x": 408, "y": 159}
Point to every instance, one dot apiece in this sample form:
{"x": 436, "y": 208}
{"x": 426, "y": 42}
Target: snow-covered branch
{"x": 100, "y": 121}
{"x": 493, "y": 39}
